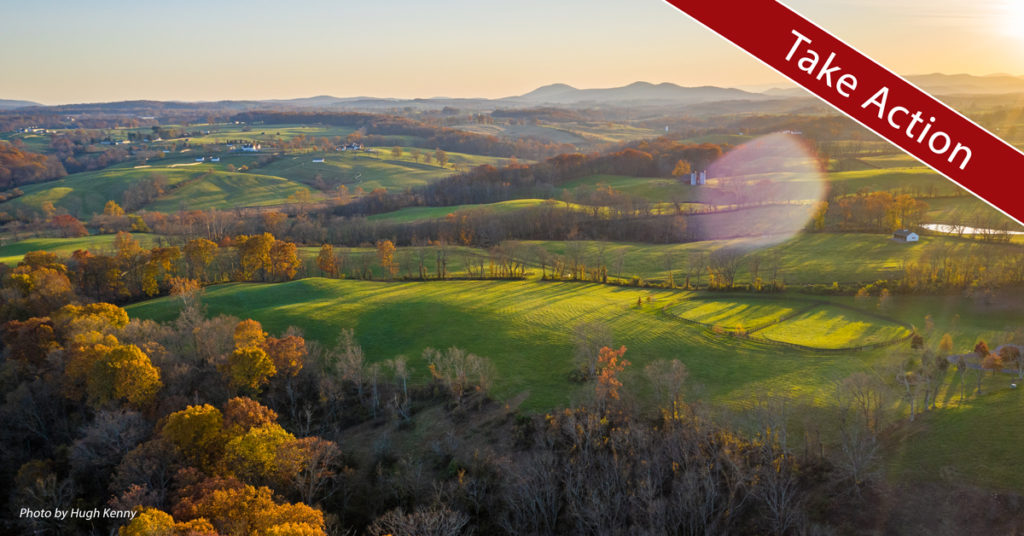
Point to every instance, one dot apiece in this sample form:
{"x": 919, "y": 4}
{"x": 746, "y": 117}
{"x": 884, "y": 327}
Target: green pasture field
{"x": 12, "y": 254}
{"x": 807, "y": 258}
{"x": 414, "y": 214}
{"x": 734, "y": 313}
{"x": 967, "y": 210}
{"x": 36, "y": 143}
{"x": 223, "y": 190}
{"x": 373, "y": 170}
{"x": 650, "y": 188}
{"x": 833, "y": 328}
{"x": 224, "y": 132}
{"x": 897, "y": 160}
{"x": 84, "y": 194}
{"x": 528, "y": 332}
{"x": 911, "y": 180}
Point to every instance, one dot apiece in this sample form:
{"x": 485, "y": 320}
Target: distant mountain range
{"x": 637, "y": 94}
{"x": 7, "y": 104}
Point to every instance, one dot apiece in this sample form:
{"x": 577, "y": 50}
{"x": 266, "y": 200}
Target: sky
{"x": 69, "y": 51}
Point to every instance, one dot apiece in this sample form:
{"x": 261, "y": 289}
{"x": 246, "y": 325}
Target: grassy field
{"x": 912, "y": 180}
{"x": 222, "y": 190}
{"x": 84, "y": 194}
{"x": 833, "y": 327}
{"x": 977, "y": 441}
{"x": 652, "y": 189}
{"x": 12, "y": 254}
{"x": 734, "y": 313}
{"x": 222, "y": 133}
{"x": 807, "y": 258}
{"x": 576, "y": 133}
{"x": 199, "y": 186}
{"x": 414, "y": 214}
{"x": 527, "y": 332}
{"x": 370, "y": 171}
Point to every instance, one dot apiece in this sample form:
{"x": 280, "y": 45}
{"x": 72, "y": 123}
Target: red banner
{"x": 872, "y": 95}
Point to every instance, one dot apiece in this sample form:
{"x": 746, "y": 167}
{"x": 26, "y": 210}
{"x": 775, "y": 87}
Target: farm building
{"x": 905, "y": 235}
{"x": 318, "y": 160}
{"x": 251, "y": 148}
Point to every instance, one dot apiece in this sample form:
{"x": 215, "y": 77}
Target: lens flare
{"x": 760, "y": 193}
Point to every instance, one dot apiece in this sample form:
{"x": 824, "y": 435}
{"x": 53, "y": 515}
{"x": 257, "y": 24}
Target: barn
{"x": 905, "y": 235}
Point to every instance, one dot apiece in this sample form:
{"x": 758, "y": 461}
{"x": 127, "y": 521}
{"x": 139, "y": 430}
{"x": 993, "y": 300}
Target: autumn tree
{"x": 396, "y": 152}
{"x": 160, "y": 264}
{"x": 112, "y": 209}
{"x": 682, "y": 168}
{"x": 386, "y": 254}
{"x": 123, "y": 373}
{"x": 1013, "y": 354}
{"x": 441, "y": 157}
{"x": 249, "y": 334}
{"x": 610, "y": 365}
{"x": 153, "y": 522}
{"x": 69, "y": 226}
{"x": 284, "y": 260}
{"x": 198, "y": 432}
{"x": 249, "y": 368}
{"x": 199, "y": 253}
{"x": 326, "y": 261}
{"x": 236, "y": 508}
{"x": 253, "y": 454}
{"x": 254, "y": 255}
{"x": 286, "y": 353}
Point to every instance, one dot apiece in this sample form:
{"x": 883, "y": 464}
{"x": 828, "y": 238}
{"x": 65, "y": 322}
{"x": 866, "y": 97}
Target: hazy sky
{"x": 62, "y": 51}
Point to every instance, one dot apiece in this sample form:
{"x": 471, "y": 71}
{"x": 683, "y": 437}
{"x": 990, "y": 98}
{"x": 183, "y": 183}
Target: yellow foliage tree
{"x": 249, "y": 334}
{"x": 197, "y": 431}
{"x": 284, "y": 260}
{"x": 325, "y": 260}
{"x": 386, "y": 254}
{"x": 253, "y": 456}
{"x": 153, "y": 522}
{"x": 112, "y": 209}
{"x": 249, "y": 368}
{"x": 199, "y": 253}
{"x": 123, "y": 373}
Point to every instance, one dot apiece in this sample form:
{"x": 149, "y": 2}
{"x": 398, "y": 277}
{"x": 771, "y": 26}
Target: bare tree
{"x": 587, "y": 340}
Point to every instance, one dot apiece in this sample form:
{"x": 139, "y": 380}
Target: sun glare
{"x": 1013, "y": 18}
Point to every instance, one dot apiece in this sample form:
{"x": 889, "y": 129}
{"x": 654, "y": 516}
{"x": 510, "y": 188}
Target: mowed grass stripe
{"x": 833, "y": 327}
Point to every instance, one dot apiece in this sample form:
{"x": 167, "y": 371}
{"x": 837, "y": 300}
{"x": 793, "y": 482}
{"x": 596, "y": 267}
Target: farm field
{"x": 414, "y": 214}
{"x": 832, "y": 327}
{"x": 977, "y": 441}
{"x": 526, "y": 323}
{"x": 850, "y": 258}
{"x": 12, "y": 254}
{"x": 911, "y": 180}
{"x": 528, "y": 342}
{"x": 733, "y": 313}
{"x": 223, "y": 133}
{"x": 366, "y": 171}
{"x": 224, "y": 190}
{"x": 84, "y": 194}
{"x": 652, "y": 189}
